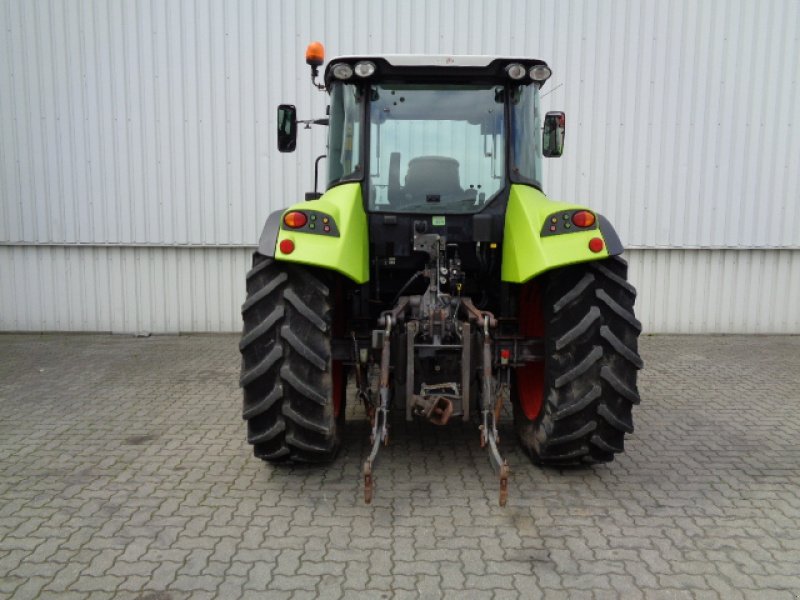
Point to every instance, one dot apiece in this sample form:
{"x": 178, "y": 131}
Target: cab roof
{"x": 422, "y": 68}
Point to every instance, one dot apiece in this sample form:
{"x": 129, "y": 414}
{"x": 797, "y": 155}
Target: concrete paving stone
{"x": 259, "y": 575}
{"x": 293, "y": 582}
{"x": 164, "y": 575}
{"x": 356, "y": 575}
{"x": 216, "y": 568}
{"x": 624, "y": 586}
{"x": 669, "y": 594}
{"x": 231, "y": 587}
{"x": 196, "y": 562}
{"x": 510, "y": 595}
{"x": 127, "y": 569}
{"x": 489, "y": 582}
{"x": 66, "y": 575}
{"x": 468, "y": 594}
{"x": 100, "y": 583}
{"x": 144, "y": 488}
{"x": 25, "y": 545}
{"x": 250, "y": 556}
{"x": 313, "y": 555}
{"x": 371, "y": 594}
{"x": 261, "y": 595}
{"x": 346, "y": 554}
{"x": 194, "y": 583}
{"x": 380, "y": 582}
{"x": 319, "y": 569}
{"x": 133, "y": 583}
{"x": 305, "y": 595}
{"x": 402, "y": 567}
{"x": 238, "y": 569}
{"x": 404, "y": 582}
{"x": 9, "y": 583}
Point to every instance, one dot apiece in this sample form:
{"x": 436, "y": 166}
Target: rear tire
{"x": 576, "y": 406}
{"x": 294, "y": 394}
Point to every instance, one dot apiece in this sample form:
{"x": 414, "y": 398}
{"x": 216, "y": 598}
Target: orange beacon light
{"x": 315, "y": 54}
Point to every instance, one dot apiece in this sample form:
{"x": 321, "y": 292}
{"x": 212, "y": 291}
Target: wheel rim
{"x": 530, "y": 378}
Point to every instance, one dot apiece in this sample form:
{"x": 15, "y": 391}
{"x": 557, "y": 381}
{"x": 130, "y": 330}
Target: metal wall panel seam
{"x": 793, "y": 160}
{"x": 42, "y": 122}
{"x": 772, "y": 101}
{"x": 672, "y": 98}
{"x": 31, "y": 222}
{"x": 7, "y": 122}
{"x": 745, "y": 227}
{"x": 787, "y": 102}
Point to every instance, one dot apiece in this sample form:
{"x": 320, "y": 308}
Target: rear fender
{"x": 344, "y": 248}
{"x": 530, "y": 249}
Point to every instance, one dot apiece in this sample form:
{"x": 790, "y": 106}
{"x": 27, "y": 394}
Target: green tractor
{"x": 436, "y": 276}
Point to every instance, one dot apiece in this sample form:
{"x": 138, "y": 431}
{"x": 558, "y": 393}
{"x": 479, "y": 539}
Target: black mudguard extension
{"x": 613, "y": 244}
{"x": 269, "y": 236}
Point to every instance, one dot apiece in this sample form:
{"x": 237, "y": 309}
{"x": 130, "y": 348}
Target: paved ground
{"x": 123, "y": 473}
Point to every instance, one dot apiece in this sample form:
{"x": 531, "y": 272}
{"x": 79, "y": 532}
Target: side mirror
{"x": 553, "y": 134}
{"x": 287, "y": 128}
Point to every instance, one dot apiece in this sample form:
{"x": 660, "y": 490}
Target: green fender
{"x": 345, "y": 249}
{"x": 527, "y": 253}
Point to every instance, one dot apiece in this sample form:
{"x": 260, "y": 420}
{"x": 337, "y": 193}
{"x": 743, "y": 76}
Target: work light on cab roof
{"x": 429, "y": 272}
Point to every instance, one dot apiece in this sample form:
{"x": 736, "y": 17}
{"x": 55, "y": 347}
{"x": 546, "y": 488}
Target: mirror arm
{"x": 309, "y": 122}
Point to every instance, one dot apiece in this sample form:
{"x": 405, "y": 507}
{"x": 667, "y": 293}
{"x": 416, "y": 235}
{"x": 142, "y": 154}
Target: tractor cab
{"x": 439, "y": 135}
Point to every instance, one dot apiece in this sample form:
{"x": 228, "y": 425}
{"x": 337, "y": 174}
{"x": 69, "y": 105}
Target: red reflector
{"x": 583, "y": 218}
{"x": 596, "y": 244}
{"x": 295, "y": 219}
{"x": 287, "y": 246}
{"x": 505, "y": 353}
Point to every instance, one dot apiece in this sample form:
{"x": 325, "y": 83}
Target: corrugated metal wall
{"x": 131, "y": 290}
{"x": 128, "y": 128}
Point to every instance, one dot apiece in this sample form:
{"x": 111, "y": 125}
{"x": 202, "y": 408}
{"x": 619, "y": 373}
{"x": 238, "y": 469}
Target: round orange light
{"x": 286, "y": 246}
{"x": 583, "y": 218}
{"x": 295, "y": 219}
{"x": 315, "y": 54}
{"x": 596, "y": 244}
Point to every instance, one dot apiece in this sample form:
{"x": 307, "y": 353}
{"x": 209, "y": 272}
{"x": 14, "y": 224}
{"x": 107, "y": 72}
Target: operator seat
{"x": 432, "y": 175}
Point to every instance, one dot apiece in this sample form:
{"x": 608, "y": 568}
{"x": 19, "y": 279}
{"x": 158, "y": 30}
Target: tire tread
{"x": 591, "y": 363}
{"x": 286, "y": 364}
